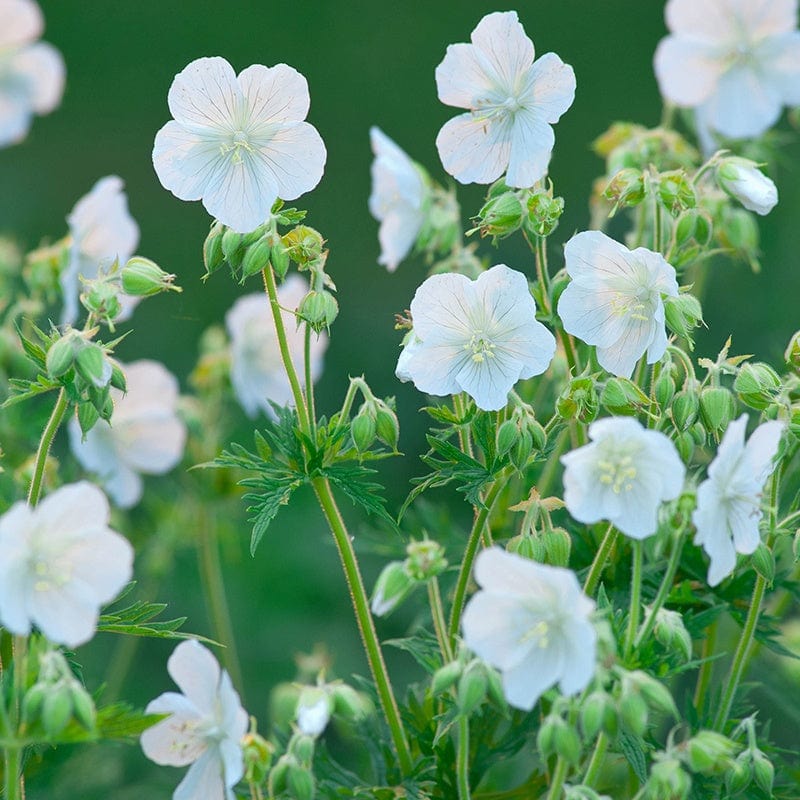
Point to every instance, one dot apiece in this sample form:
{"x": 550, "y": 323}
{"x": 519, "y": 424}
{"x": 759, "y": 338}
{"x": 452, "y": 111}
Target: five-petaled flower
{"x": 622, "y": 475}
{"x": 60, "y": 563}
{"x": 145, "y": 435}
{"x": 31, "y": 72}
{"x": 101, "y": 230}
{"x": 398, "y": 199}
{"x": 204, "y": 729}
{"x": 533, "y": 623}
{"x": 257, "y": 372}
{"x": 737, "y": 62}
{"x": 729, "y": 501}
{"x": 512, "y": 101}
{"x": 238, "y": 143}
{"x": 478, "y": 337}
{"x": 614, "y": 300}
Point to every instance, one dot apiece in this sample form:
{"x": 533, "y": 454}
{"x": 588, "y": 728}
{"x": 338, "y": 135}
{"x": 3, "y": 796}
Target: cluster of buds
{"x": 557, "y": 737}
{"x": 691, "y": 235}
{"x": 521, "y": 436}
{"x": 507, "y": 210}
{"x": 293, "y": 771}
{"x": 640, "y": 695}
{"x": 579, "y": 400}
{"x": 472, "y": 682}
{"x": 625, "y": 145}
{"x": 425, "y": 560}
{"x": 550, "y": 545}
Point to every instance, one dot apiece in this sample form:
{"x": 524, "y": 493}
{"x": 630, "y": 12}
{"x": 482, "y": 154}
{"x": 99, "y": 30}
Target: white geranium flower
{"x": 622, "y": 475}
{"x": 101, "y": 229}
{"x": 146, "y": 435}
{"x": 741, "y": 178}
{"x": 60, "y": 563}
{"x": 533, "y": 623}
{"x": 478, "y": 337}
{"x": 736, "y": 61}
{"x": 397, "y": 201}
{"x": 238, "y": 143}
{"x": 257, "y": 372}
{"x": 31, "y": 72}
{"x": 313, "y": 711}
{"x": 204, "y": 729}
{"x": 614, "y": 300}
{"x": 729, "y": 500}
{"x": 512, "y": 101}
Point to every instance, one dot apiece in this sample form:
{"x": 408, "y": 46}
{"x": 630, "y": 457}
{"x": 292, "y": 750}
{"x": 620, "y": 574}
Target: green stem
{"x": 557, "y": 783}
{"x": 707, "y": 668}
{"x": 657, "y": 227}
{"x": 475, "y": 535}
{"x": 309, "y": 381}
{"x": 369, "y": 637}
{"x": 13, "y": 762}
{"x": 663, "y": 589}
{"x": 291, "y": 373}
{"x": 541, "y": 272}
{"x": 636, "y": 596}
{"x": 464, "y": 439}
{"x": 596, "y": 762}
{"x": 551, "y": 465}
{"x": 569, "y": 351}
{"x": 600, "y": 558}
{"x": 35, "y": 490}
{"x": 437, "y": 615}
{"x": 462, "y": 758}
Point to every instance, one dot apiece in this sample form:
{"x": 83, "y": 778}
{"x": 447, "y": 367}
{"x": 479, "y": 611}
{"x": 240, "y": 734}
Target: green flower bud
{"x": 683, "y": 314}
{"x": 546, "y": 737}
{"x": 633, "y": 712}
{"x": 93, "y": 366}
{"x": 56, "y": 709}
{"x": 622, "y": 396}
{"x": 626, "y": 188}
{"x": 82, "y": 706}
{"x": 684, "y": 443}
{"x": 507, "y": 435}
{"x": 655, "y": 694}
{"x": 544, "y": 212}
{"x": 363, "y": 429}
{"x": 739, "y": 774}
{"x": 99, "y": 297}
{"x": 445, "y": 677}
{"x": 118, "y": 380}
{"x": 500, "y": 216}
{"x": 739, "y": 232}
{"x": 472, "y": 687}
{"x": 232, "y": 247}
{"x": 685, "y": 406}
{"x": 792, "y": 353}
{"x": 257, "y": 752}
{"x": 394, "y": 584}
{"x": 495, "y": 692}
{"x": 61, "y": 355}
{"x": 693, "y": 225}
{"x": 142, "y": 277}
{"x": 763, "y": 772}
{"x": 302, "y": 745}
{"x": 350, "y": 704}
{"x": 567, "y": 743}
{"x": 676, "y": 192}
{"x": 717, "y": 408}
{"x": 668, "y": 781}
{"x": 387, "y": 426}
{"x": 279, "y": 257}
{"x": 425, "y": 560}
{"x": 578, "y": 400}
{"x": 213, "y": 257}
{"x": 522, "y": 450}
{"x": 319, "y": 309}
{"x": 557, "y": 545}
{"x": 304, "y": 244}
{"x": 757, "y": 385}
{"x": 279, "y": 774}
{"x": 33, "y": 702}
{"x": 665, "y": 388}
{"x": 710, "y": 753}
{"x": 598, "y": 713}
{"x": 527, "y": 546}
{"x": 763, "y": 561}
{"x": 256, "y": 257}
{"x": 300, "y": 782}
{"x": 670, "y": 631}
{"x": 283, "y": 700}
{"x": 698, "y": 433}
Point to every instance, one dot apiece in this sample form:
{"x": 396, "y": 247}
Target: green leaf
{"x": 139, "y": 619}
{"x": 264, "y": 506}
{"x": 123, "y": 722}
{"x": 352, "y": 479}
{"x": 633, "y": 748}
{"x": 423, "y": 647}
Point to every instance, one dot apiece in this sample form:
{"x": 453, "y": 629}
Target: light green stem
{"x": 437, "y": 615}
{"x": 464, "y": 438}
{"x": 596, "y": 762}
{"x": 312, "y": 414}
{"x": 49, "y": 433}
{"x": 13, "y": 762}
{"x": 600, "y": 558}
{"x": 462, "y": 758}
{"x": 557, "y": 782}
{"x": 707, "y": 667}
{"x": 369, "y": 637}
{"x": 542, "y": 273}
{"x": 636, "y": 597}
{"x": 465, "y": 571}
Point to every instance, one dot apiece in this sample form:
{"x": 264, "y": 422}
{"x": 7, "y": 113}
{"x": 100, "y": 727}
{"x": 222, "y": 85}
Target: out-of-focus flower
{"x": 204, "y": 729}
{"x": 622, "y": 475}
{"x": 31, "y": 72}
{"x": 314, "y": 710}
{"x": 741, "y": 178}
{"x": 238, "y": 143}
{"x": 397, "y": 200}
{"x": 101, "y": 229}
{"x": 60, "y": 563}
{"x": 512, "y": 101}
{"x": 257, "y": 372}
{"x": 532, "y": 622}
{"x": 146, "y": 435}
{"x": 736, "y": 61}
{"x": 478, "y": 337}
{"x": 729, "y": 500}
{"x": 614, "y": 300}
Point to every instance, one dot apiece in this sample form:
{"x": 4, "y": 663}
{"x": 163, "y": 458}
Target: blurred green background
{"x": 367, "y": 63}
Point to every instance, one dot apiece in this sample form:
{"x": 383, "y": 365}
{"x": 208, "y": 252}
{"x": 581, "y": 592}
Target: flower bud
{"x": 99, "y": 297}
{"x": 544, "y": 211}
{"x": 655, "y": 694}
{"x": 683, "y": 314}
{"x": 279, "y": 256}
{"x": 717, "y": 408}
{"x": 283, "y": 700}
{"x": 232, "y": 247}
{"x": 633, "y": 712}
{"x": 387, "y": 426}
{"x": 118, "y": 380}
{"x": 667, "y": 781}
{"x": 685, "y": 406}
{"x": 684, "y": 443}
{"x": 61, "y": 354}
{"x": 394, "y": 584}
{"x": 425, "y": 559}
{"x": 557, "y": 545}
{"x": 33, "y": 701}
{"x": 314, "y": 708}
{"x": 664, "y": 388}
{"x": 319, "y": 309}
{"x": 527, "y": 546}
{"x": 445, "y": 677}
{"x": 56, "y": 709}
{"x": 792, "y": 353}
{"x": 626, "y": 188}
{"x": 763, "y": 772}
{"x": 472, "y": 687}
{"x": 93, "y": 366}
{"x": 495, "y": 691}
{"x": 522, "y": 450}
{"x": 276, "y": 783}
{"x": 213, "y": 257}
{"x": 670, "y": 631}
{"x": 739, "y": 774}
{"x": 142, "y": 277}
{"x": 693, "y": 225}
{"x": 507, "y": 435}
{"x": 363, "y": 429}
{"x": 304, "y": 244}
{"x": 742, "y": 179}
{"x": 757, "y": 385}
{"x": 567, "y": 743}
{"x": 82, "y": 706}
{"x": 739, "y": 232}
{"x": 676, "y": 191}
{"x": 598, "y": 714}
{"x": 622, "y": 396}
{"x": 763, "y": 561}
{"x": 256, "y": 256}
{"x": 710, "y": 753}
{"x": 500, "y": 216}
{"x": 301, "y": 746}
{"x": 350, "y": 704}
{"x": 300, "y": 782}
{"x": 257, "y": 753}
{"x": 549, "y": 734}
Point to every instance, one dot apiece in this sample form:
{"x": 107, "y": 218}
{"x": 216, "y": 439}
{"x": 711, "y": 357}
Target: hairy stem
{"x": 636, "y": 597}
{"x": 49, "y": 433}
{"x": 600, "y": 558}
{"x": 437, "y": 615}
{"x": 596, "y": 762}
{"x": 557, "y": 781}
{"x": 462, "y": 758}
{"x": 707, "y": 668}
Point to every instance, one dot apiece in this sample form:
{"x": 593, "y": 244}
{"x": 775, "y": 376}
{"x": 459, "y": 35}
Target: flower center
{"x": 618, "y": 473}
{"x": 238, "y": 141}
{"x": 481, "y": 346}
{"x": 540, "y": 632}
{"x": 636, "y": 306}
{"x": 498, "y": 107}
{"x": 45, "y": 578}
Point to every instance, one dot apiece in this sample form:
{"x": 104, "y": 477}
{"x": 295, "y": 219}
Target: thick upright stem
{"x": 462, "y": 759}
{"x": 596, "y": 762}
{"x": 366, "y": 627}
{"x": 636, "y": 597}
{"x": 557, "y": 783}
{"x": 437, "y": 615}
{"x": 49, "y": 433}
{"x": 600, "y": 558}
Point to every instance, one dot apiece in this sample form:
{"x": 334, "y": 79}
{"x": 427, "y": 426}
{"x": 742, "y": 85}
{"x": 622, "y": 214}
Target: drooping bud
{"x": 740, "y": 774}
{"x": 717, "y": 408}
{"x": 387, "y": 426}
{"x": 757, "y": 385}
{"x": 142, "y": 277}
{"x": 598, "y": 713}
{"x": 213, "y": 257}
{"x": 665, "y": 388}
{"x": 56, "y": 708}
{"x": 710, "y": 753}
{"x": 232, "y": 248}
{"x": 633, "y": 712}
{"x": 472, "y": 687}
{"x": 626, "y": 188}
{"x": 314, "y": 708}
{"x": 622, "y": 396}
{"x": 670, "y": 631}
{"x": 500, "y": 216}
{"x": 685, "y": 406}
{"x": 319, "y": 309}
{"x": 257, "y": 256}
{"x": 61, "y": 355}
{"x": 445, "y": 677}
{"x": 676, "y": 192}
{"x": 763, "y": 772}
{"x": 394, "y": 584}
{"x": 668, "y": 781}
{"x": 763, "y": 561}
{"x": 683, "y": 314}
{"x": 349, "y": 703}
{"x": 363, "y": 428}
{"x": 742, "y": 179}
{"x": 558, "y": 545}
{"x": 655, "y": 694}
{"x": 527, "y": 546}
{"x": 93, "y": 366}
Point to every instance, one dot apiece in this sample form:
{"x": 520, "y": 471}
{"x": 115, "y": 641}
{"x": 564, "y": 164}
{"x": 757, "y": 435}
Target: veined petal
{"x": 489, "y": 381}
{"x": 687, "y": 70}
{"x": 551, "y": 87}
{"x": 42, "y": 68}
{"x": 21, "y": 22}
{"x": 204, "y": 780}
{"x": 474, "y": 149}
{"x": 501, "y": 39}
{"x": 274, "y": 94}
{"x": 526, "y": 682}
{"x": 587, "y": 311}
{"x": 205, "y": 94}
{"x": 174, "y": 741}
{"x": 743, "y": 518}
{"x": 638, "y": 513}
{"x": 433, "y": 368}
{"x": 532, "y": 141}
{"x": 462, "y": 77}
{"x": 197, "y": 673}
{"x": 441, "y": 307}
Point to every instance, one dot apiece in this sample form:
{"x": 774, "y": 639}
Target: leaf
{"x": 264, "y": 506}
{"x": 633, "y": 748}
{"x": 352, "y": 480}
{"x": 139, "y": 619}
{"x": 123, "y": 722}
{"x": 423, "y": 647}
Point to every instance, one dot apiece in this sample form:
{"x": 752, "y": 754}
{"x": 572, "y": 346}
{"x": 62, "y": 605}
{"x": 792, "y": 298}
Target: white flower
{"x": 101, "y": 229}
{"x": 145, "y": 435}
{"x": 614, "y": 300}
{"x": 532, "y": 622}
{"x": 749, "y": 185}
{"x": 512, "y": 102}
{"x": 478, "y": 337}
{"x": 313, "y": 711}
{"x": 397, "y": 200}
{"x": 31, "y": 72}
{"x": 204, "y": 729}
{"x": 622, "y": 475}
{"x": 238, "y": 143}
{"x": 60, "y": 563}
{"x": 736, "y": 61}
{"x": 257, "y": 372}
{"x": 729, "y": 500}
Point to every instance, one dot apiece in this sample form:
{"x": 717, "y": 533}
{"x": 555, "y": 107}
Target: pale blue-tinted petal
{"x": 193, "y": 667}
{"x": 63, "y": 616}
{"x": 620, "y": 358}
{"x": 496, "y": 628}
{"x": 474, "y": 148}
{"x": 15, "y": 118}
{"x": 22, "y": 22}
{"x": 397, "y": 234}
{"x": 273, "y": 94}
{"x": 687, "y": 70}
{"x": 442, "y": 308}
{"x": 580, "y": 656}
{"x": 780, "y": 61}
{"x": 70, "y": 510}
{"x": 525, "y": 683}
{"x": 489, "y": 381}
{"x": 42, "y": 69}
{"x": 744, "y": 515}
{"x": 709, "y": 21}
{"x": 761, "y": 449}
{"x": 174, "y": 741}
{"x": 206, "y": 95}
{"x": 124, "y": 486}
{"x": 743, "y": 105}
{"x": 463, "y": 76}
{"x": 532, "y": 142}
{"x": 550, "y": 87}
{"x": 204, "y": 779}
{"x": 501, "y": 39}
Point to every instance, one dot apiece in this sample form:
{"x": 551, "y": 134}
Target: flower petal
{"x": 462, "y": 77}
{"x": 173, "y": 742}
{"x": 780, "y": 60}
{"x": 21, "y": 22}
{"x": 501, "y": 39}
{"x": 474, "y": 149}
{"x": 72, "y": 509}
{"x": 551, "y": 87}
{"x": 204, "y": 779}
{"x": 205, "y": 94}
{"x": 193, "y": 667}
{"x": 687, "y": 70}
{"x": 42, "y": 68}
{"x": 532, "y": 141}
{"x": 496, "y": 628}
{"x": 526, "y": 682}
{"x": 580, "y": 646}
{"x": 712, "y": 20}
{"x": 274, "y": 94}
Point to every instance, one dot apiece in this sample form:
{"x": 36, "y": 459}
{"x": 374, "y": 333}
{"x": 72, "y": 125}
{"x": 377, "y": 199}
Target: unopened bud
{"x": 626, "y": 188}
{"x": 387, "y": 426}
{"x": 683, "y": 314}
{"x": 739, "y": 774}
{"x": 757, "y": 385}
{"x": 670, "y": 631}
{"x": 557, "y": 545}
{"x": 633, "y": 712}
{"x": 363, "y": 429}
{"x": 82, "y": 706}
{"x": 61, "y": 355}
{"x": 472, "y": 687}
{"x": 500, "y": 216}
{"x": 313, "y": 711}
{"x": 56, "y": 709}
{"x": 527, "y": 546}
{"x": 300, "y": 782}
{"x": 394, "y": 584}
{"x": 693, "y": 226}
{"x": 742, "y": 179}
{"x": 763, "y": 772}
{"x": 445, "y": 677}
{"x": 279, "y": 256}
{"x": 142, "y": 277}
{"x": 622, "y": 396}
{"x": 256, "y": 256}
{"x": 655, "y": 694}
{"x": 93, "y": 366}
{"x": 598, "y": 714}
{"x": 544, "y": 212}
{"x": 668, "y": 781}
{"x": 213, "y": 257}
{"x": 717, "y": 408}
{"x": 319, "y": 309}
{"x": 349, "y": 703}
{"x": 232, "y": 247}
{"x": 685, "y": 406}
{"x": 710, "y": 752}
{"x": 684, "y": 443}
{"x": 664, "y": 389}
{"x": 763, "y": 561}
{"x": 425, "y": 559}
